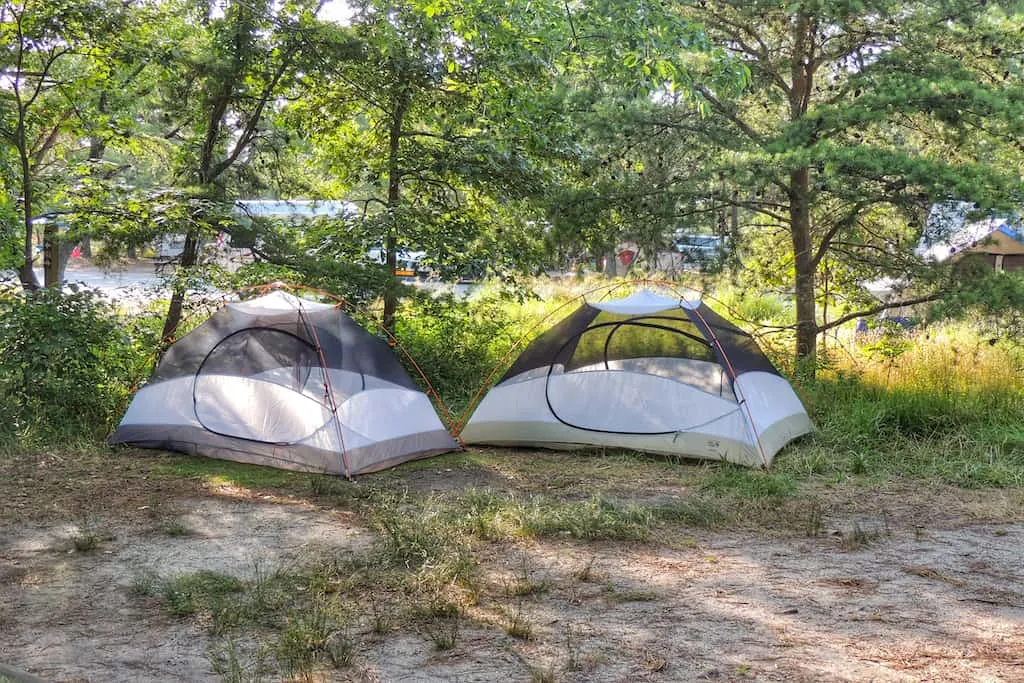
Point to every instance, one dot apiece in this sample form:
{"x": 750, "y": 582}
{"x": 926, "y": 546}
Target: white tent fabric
{"x": 298, "y": 386}
{"x": 644, "y": 302}
{"x": 278, "y": 302}
{"x": 738, "y": 409}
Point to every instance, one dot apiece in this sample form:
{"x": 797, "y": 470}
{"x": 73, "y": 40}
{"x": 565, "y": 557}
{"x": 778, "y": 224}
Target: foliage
{"x": 55, "y": 61}
{"x": 457, "y": 343}
{"x": 948, "y": 407}
{"x": 995, "y": 298}
{"x": 68, "y": 364}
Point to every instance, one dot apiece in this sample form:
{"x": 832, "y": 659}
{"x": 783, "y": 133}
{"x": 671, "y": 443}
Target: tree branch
{"x": 725, "y": 111}
{"x": 935, "y": 296}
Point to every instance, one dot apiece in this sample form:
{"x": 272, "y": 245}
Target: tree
{"x": 52, "y": 58}
{"x": 429, "y": 128}
{"x": 229, "y": 64}
{"x": 858, "y": 115}
{"x": 634, "y": 171}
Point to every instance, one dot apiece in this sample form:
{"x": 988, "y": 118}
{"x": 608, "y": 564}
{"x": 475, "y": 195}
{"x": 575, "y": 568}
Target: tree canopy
{"x": 502, "y": 137}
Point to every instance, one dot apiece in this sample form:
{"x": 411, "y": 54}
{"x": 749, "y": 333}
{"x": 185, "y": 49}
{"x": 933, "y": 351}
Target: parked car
{"x": 699, "y": 249}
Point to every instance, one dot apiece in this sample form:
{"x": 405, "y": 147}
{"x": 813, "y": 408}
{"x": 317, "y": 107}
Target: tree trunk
{"x": 26, "y": 274}
{"x": 734, "y": 219}
{"x": 189, "y": 257}
{"x": 394, "y": 203}
{"x": 802, "y": 82}
{"x": 97, "y": 148}
{"x": 611, "y": 264}
{"x": 800, "y": 229}
{"x": 53, "y": 270}
{"x": 723, "y": 214}
{"x": 193, "y": 238}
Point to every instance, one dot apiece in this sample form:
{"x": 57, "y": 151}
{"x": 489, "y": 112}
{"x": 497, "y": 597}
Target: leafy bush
{"x": 68, "y": 363}
{"x": 457, "y": 343}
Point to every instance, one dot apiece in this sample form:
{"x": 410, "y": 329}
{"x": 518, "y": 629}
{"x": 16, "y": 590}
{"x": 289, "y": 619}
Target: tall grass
{"x": 459, "y": 342}
{"x": 942, "y": 402}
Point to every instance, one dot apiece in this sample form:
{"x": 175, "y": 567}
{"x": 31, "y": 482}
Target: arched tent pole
{"x": 328, "y": 388}
{"x": 732, "y": 374}
{"x": 341, "y": 302}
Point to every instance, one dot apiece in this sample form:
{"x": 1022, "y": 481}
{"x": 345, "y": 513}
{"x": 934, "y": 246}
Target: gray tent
{"x": 646, "y": 373}
{"x": 289, "y": 383}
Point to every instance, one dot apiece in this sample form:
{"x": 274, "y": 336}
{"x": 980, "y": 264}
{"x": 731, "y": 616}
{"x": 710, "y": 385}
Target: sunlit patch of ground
{"x": 887, "y": 581}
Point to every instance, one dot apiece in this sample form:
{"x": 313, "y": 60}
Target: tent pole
{"x": 328, "y": 388}
{"x": 732, "y": 375}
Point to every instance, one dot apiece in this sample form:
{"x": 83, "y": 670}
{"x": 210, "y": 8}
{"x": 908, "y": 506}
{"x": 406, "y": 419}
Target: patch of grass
{"x": 859, "y": 537}
{"x": 147, "y": 583}
{"x": 815, "y": 524}
{"x": 697, "y": 512}
{"x": 202, "y": 590}
{"x": 946, "y": 408}
{"x": 545, "y": 674}
{"x": 234, "y": 664}
{"x": 381, "y": 619}
{"x": 420, "y": 537}
{"x": 86, "y": 540}
{"x": 441, "y": 621}
{"x": 304, "y": 629}
{"x": 177, "y": 528}
{"x": 88, "y": 535}
{"x": 990, "y": 470}
{"x": 229, "y": 473}
{"x": 612, "y": 594}
{"x": 468, "y": 459}
{"x": 324, "y": 484}
{"x": 523, "y": 583}
{"x": 487, "y": 515}
{"x": 749, "y": 484}
{"x": 585, "y": 572}
{"x": 312, "y": 635}
{"x": 594, "y": 519}
{"x": 573, "y": 647}
{"x": 519, "y": 626}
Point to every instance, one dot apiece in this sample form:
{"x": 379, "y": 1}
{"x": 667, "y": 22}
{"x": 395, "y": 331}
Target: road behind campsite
{"x": 605, "y": 567}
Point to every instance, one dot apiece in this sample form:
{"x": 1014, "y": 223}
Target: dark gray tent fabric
{"x": 289, "y": 383}
{"x": 591, "y": 335}
{"x": 345, "y": 345}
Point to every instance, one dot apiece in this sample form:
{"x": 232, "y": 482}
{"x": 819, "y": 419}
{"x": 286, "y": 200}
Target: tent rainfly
{"x": 647, "y": 373}
{"x": 289, "y": 383}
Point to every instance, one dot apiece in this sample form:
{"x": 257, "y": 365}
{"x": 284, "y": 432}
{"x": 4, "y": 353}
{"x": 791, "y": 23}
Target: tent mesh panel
{"x": 271, "y": 355}
{"x": 741, "y": 350}
{"x": 345, "y": 345}
{"x": 590, "y": 337}
{"x": 613, "y": 337}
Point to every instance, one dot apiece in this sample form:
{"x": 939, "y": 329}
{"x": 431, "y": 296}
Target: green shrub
{"x": 68, "y": 364}
{"x": 457, "y": 343}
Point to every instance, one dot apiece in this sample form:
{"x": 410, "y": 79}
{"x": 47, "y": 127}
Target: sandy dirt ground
{"x": 910, "y": 604}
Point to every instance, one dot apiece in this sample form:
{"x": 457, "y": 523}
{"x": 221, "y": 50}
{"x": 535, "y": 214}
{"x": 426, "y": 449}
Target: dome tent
{"x": 648, "y": 373}
{"x": 285, "y": 382}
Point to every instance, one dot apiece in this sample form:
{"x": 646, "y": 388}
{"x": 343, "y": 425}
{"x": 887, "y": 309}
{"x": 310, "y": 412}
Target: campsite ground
{"x": 486, "y": 565}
